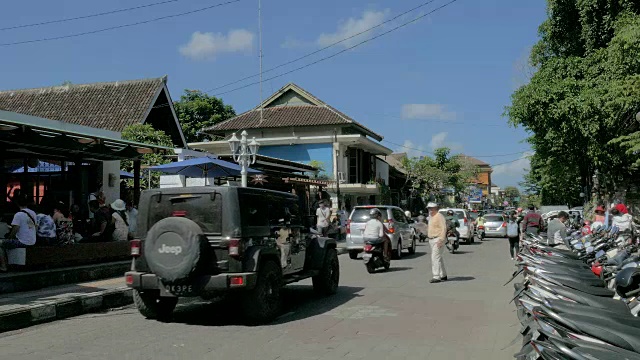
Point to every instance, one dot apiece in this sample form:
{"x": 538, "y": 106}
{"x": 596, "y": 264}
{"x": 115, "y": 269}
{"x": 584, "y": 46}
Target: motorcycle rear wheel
{"x": 370, "y": 267}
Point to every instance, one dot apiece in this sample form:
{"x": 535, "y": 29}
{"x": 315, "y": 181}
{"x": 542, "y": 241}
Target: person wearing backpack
{"x": 513, "y": 233}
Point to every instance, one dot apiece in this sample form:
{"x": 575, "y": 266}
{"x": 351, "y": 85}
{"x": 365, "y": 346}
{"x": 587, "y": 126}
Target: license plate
{"x": 492, "y": 229}
{"x": 180, "y": 290}
{"x": 367, "y": 256}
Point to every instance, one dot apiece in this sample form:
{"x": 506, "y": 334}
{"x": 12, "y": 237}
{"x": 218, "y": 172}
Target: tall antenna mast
{"x": 260, "y": 51}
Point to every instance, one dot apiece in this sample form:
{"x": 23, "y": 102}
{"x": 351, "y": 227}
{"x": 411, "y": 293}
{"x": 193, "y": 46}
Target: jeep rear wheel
{"x": 262, "y": 303}
{"x": 326, "y": 283}
{"x": 153, "y": 306}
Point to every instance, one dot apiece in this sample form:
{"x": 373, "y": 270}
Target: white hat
{"x": 432, "y": 205}
{"x": 118, "y": 205}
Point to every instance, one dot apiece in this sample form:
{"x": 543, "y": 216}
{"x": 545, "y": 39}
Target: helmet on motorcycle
{"x": 627, "y": 280}
{"x": 408, "y": 214}
{"x": 519, "y": 210}
{"x": 375, "y": 212}
{"x": 449, "y": 212}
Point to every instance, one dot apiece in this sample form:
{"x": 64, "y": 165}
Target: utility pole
{"x": 260, "y": 51}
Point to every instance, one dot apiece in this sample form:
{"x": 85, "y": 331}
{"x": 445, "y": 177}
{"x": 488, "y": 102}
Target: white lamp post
{"x": 244, "y": 153}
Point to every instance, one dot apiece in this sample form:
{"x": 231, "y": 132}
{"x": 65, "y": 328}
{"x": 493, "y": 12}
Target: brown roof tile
{"x": 111, "y": 105}
{"x": 290, "y": 116}
{"x": 475, "y": 161}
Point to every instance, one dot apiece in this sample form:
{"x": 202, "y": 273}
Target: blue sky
{"x": 443, "y": 80}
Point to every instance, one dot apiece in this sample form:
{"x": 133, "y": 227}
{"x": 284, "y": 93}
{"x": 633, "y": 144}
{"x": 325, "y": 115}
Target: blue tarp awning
{"x": 202, "y": 167}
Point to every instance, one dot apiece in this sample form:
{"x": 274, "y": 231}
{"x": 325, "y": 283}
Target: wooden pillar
{"x": 136, "y": 182}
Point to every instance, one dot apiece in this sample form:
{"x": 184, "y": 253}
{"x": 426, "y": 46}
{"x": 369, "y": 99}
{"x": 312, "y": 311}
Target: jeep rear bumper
{"x": 202, "y": 284}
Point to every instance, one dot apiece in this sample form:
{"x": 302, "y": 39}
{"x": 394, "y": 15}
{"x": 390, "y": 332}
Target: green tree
{"x": 582, "y": 96}
{"x": 146, "y": 134}
{"x": 197, "y": 111}
{"x": 511, "y": 193}
{"x": 430, "y": 176}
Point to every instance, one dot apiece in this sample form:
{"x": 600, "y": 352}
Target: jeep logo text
{"x": 170, "y": 249}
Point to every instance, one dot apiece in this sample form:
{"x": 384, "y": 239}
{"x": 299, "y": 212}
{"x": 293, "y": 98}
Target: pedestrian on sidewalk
{"x": 532, "y": 222}
{"x": 513, "y": 233}
{"x": 23, "y": 230}
{"x": 437, "y": 238}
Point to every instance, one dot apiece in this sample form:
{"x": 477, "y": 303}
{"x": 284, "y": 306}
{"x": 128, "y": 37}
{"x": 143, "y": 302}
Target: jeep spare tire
{"x": 173, "y": 248}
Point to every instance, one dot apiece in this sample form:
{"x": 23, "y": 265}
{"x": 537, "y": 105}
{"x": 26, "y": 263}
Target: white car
{"x": 466, "y": 228}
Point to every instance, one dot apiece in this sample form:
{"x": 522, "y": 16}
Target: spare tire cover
{"x": 172, "y": 248}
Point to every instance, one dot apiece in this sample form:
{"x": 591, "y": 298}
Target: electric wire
{"x": 118, "y": 26}
{"x": 57, "y": 21}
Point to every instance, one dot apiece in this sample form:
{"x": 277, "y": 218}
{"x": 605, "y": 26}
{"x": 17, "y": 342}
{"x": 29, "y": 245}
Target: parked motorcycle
{"x": 373, "y": 255}
{"x": 580, "y": 303}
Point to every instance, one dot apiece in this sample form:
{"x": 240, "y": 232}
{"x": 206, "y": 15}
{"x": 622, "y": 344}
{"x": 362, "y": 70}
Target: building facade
{"x": 293, "y": 124}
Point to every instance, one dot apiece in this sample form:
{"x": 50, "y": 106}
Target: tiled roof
{"x": 110, "y": 105}
{"x": 290, "y": 116}
{"x": 475, "y": 161}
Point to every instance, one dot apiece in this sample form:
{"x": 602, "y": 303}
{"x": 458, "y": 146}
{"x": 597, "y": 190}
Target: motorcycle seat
{"x": 566, "y": 253}
{"x": 591, "y": 290}
{"x": 569, "y": 270}
{"x": 592, "y": 352}
{"x": 600, "y": 314}
{"x": 586, "y": 299}
{"x": 587, "y": 281}
{"x": 561, "y": 306}
{"x": 373, "y": 241}
{"x": 610, "y": 331}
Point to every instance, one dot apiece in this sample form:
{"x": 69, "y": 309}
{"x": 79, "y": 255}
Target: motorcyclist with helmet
{"x": 375, "y": 229}
{"x": 452, "y": 224}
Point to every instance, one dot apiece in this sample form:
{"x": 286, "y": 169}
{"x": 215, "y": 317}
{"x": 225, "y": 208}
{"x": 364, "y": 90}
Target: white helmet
{"x": 407, "y": 214}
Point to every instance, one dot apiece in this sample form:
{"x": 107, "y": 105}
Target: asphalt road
{"x": 388, "y": 315}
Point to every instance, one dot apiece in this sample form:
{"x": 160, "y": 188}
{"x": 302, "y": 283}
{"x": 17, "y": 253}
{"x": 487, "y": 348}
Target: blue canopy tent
{"x": 203, "y": 167}
{"x": 126, "y": 175}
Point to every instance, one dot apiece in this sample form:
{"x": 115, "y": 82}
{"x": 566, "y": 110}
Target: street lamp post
{"x": 243, "y": 152}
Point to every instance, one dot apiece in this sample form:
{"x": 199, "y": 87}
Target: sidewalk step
{"x": 33, "y": 280}
{"x": 20, "y": 310}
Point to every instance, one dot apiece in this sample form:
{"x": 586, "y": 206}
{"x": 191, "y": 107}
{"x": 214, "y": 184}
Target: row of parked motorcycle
{"x": 579, "y": 300}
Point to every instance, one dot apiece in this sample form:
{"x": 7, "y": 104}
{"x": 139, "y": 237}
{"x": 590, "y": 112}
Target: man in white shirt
{"x": 132, "y": 217}
{"x": 23, "y": 230}
{"x": 323, "y": 213}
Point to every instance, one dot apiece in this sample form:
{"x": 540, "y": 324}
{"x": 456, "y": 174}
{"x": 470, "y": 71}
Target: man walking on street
{"x": 437, "y": 238}
{"x": 323, "y": 213}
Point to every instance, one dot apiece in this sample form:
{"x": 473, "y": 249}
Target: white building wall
{"x": 111, "y": 180}
{"x": 382, "y": 171}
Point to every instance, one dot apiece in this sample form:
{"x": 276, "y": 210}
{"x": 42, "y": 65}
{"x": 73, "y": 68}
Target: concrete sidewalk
{"x": 23, "y": 309}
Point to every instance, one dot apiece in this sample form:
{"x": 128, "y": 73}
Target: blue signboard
{"x": 475, "y": 195}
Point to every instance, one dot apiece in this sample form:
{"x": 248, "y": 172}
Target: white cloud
{"x": 206, "y": 46}
{"x": 351, "y": 27}
{"x": 427, "y": 112}
{"x": 440, "y": 140}
{"x": 517, "y": 167}
{"x": 510, "y": 174}
{"x": 411, "y": 149}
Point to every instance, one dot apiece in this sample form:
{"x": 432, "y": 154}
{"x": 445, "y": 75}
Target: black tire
{"x": 173, "y": 248}
{"x": 471, "y": 240}
{"x": 397, "y": 254}
{"x": 326, "y": 283}
{"x": 353, "y": 254}
{"x": 153, "y": 306}
{"x": 262, "y": 303}
{"x": 412, "y": 249}
{"x": 387, "y": 266}
{"x": 370, "y": 267}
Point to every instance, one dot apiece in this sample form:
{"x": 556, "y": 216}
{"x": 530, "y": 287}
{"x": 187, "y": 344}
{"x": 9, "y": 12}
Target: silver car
{"x": 402, "y": 235}
{"x": 495, "y": 225}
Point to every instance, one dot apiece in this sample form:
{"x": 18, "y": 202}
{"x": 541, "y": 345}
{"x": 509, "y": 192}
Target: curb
{"x": 43, "y": 312}
{"x": 342, "y": 250}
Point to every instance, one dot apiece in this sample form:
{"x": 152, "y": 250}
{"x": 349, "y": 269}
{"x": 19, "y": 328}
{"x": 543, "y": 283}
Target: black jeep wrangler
{"x": 212, "y": 241}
